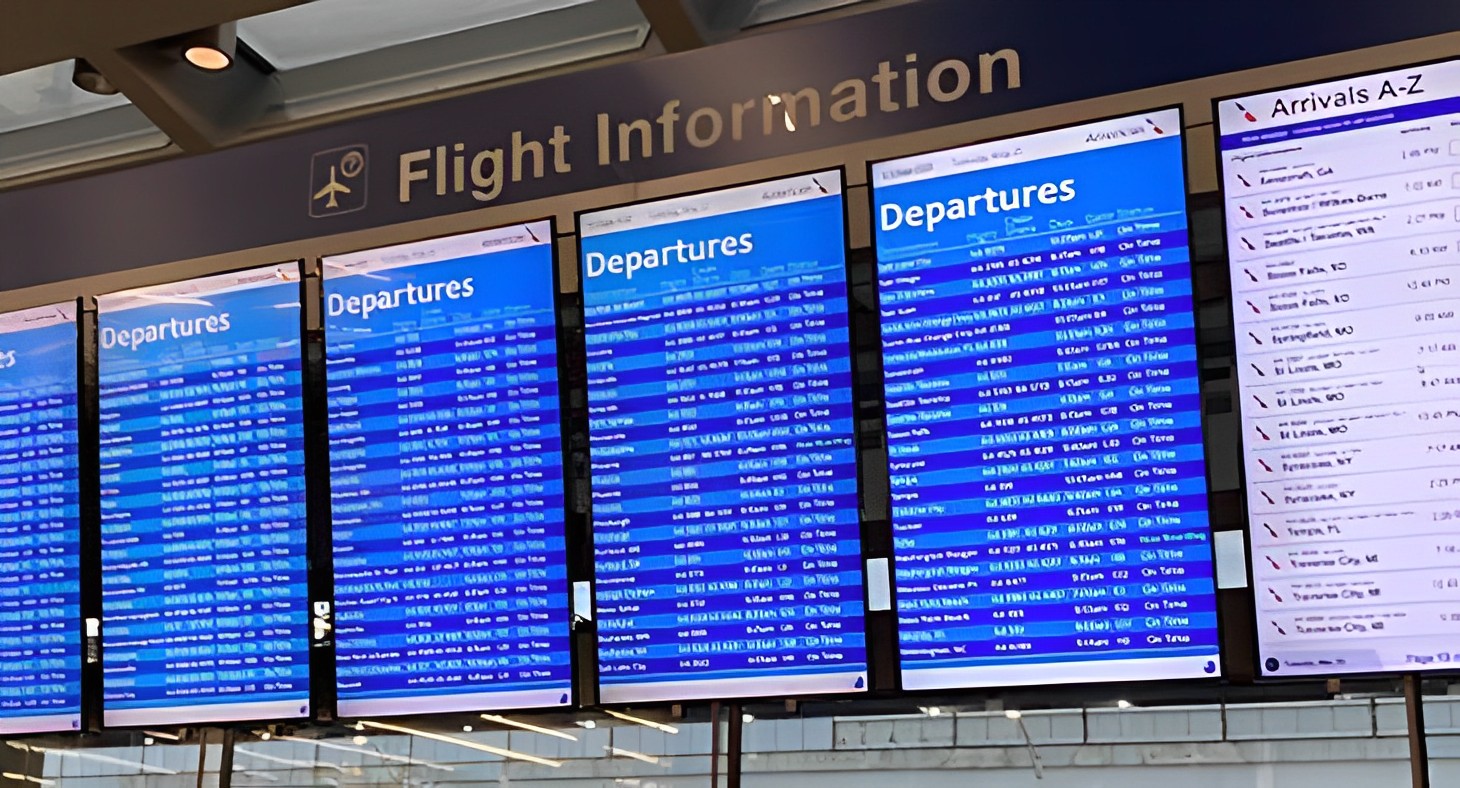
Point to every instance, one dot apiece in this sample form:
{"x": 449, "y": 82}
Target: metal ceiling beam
{"x": 682, "y": 25}
{"x": 200, "y": 111}
{"x": 726, "y": 16}
{"x": 38, "y": 32}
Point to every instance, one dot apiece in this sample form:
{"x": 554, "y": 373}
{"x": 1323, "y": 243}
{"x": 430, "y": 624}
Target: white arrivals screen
{"x": 1343, "y": 230}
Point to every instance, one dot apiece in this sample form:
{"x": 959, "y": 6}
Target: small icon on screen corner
{"x": 337, "y": 180}
{"x": 1271, "y": 664}
{"x": 1210, "y": 667}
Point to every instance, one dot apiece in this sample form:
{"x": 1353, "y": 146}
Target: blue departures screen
{"x": 205, "y": 606}
{"x": 1049, "y": 495}
{"x": 446, "y": 475}
{"x": 726, "y": 539}
{"x": 40, "y": 533}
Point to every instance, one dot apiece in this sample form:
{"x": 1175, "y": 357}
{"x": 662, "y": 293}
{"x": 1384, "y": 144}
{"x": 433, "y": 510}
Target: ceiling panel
{"x": 47, "y": 123}
{"x": 45, "y": 95}
{"x": 327, "y": 30}
{"x": 767, "y": 11}
{"x": 558, "y": 32}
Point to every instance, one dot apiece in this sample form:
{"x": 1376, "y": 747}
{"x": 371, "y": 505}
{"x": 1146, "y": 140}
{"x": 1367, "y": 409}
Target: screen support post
{"x": 202, "y": 756}
{"x": 715, "y": 744}
{"x": 225, "y": 758}
{"x": 734, "y": 746}
{"x": 227, "y": 736}
{"x": 1414, "y": 713}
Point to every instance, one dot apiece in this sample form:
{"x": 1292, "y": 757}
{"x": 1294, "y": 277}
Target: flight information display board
{"x": 40, "y": 529}
{"x": 1343, "y": 229}
{"x": 205, "y": 605}
{"x": 724, "y": 467}
{"x": 446, "y": 476}
{"x": 1049, "y": 492}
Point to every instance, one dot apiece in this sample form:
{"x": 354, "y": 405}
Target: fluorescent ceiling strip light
{"x": 163, "y": 735}
{"x": 384, "y": 756}
{"x": 487, "y": 748}
{"x": 528, "y": 727}
{"x": 638, "y": 756}
{"x": 27, "y": 778}
{"x": 290, "y": 761}
{"x": 91, "y": 756}
{"x": 658, "y": 726}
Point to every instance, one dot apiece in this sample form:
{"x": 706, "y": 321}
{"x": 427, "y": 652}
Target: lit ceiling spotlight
{"x": 85, "y": 76}
{"x": 1123, "y": 704}
{"x": 212, "y": 48}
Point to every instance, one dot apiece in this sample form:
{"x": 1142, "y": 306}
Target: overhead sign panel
{"x": 900, "y": 69}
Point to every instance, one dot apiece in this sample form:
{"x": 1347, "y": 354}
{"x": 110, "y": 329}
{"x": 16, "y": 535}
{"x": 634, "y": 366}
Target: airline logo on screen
{"x": 337, "y": 180}
{"x": 1127, "y": 131}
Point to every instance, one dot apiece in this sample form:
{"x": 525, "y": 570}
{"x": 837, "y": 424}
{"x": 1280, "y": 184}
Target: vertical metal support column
{"x": 1419, "y": 751}
{"x": 715, "y": 744}
{"x": 318, "y": 529}
{"x": 225, "y": 760}
{"x": 202, "y": 756}
{"x": 88, "y": 434}
{"x": 733, "y": 747}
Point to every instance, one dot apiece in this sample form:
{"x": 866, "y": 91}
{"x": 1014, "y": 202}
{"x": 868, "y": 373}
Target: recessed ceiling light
{"x": 212, "y": 48}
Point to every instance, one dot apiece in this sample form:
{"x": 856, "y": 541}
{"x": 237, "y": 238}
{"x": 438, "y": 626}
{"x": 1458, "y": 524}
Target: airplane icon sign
{"x": 338, "y": 180}
{"x": 333, "y": 189}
